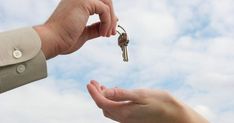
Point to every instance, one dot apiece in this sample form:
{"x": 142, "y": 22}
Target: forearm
{"x": 181, "y": 112}
{"x": 191, "y": 116}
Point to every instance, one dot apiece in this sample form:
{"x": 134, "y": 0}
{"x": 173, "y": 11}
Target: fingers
{"x": 104, "y": 14}
{"x": 105, "y": 10}
{"x": 114, "y": 19}
{"x": 111, "y": 109}
{"x": 99, "y": 99}
{"x": 117, "y": 94}
{"x": 115, "y": 25}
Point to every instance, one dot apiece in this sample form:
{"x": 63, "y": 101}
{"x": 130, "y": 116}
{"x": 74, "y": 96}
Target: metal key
{"x": 123, "y": 43}
{"x": 125, "y": 53}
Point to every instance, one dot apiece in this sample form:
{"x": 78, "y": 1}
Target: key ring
{"x": 122, "y": 29}
{"x": 123, "y": 37}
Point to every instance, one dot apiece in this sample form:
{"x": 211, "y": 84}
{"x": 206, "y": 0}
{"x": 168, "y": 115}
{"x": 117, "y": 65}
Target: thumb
{"x": 118, "y": 94}
{"x": 92, "y": 31}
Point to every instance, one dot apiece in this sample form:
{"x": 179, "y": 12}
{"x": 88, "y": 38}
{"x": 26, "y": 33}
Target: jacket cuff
{"x": 21, "y": 58}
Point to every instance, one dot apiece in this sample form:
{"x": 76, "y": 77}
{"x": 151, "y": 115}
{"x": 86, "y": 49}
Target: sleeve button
{"x": 20, "y": 68}
{"x": 17, "y": 54}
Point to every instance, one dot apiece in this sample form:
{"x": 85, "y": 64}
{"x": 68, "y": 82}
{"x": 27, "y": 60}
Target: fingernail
{"x": 92, "y": 82}
{"x": 106, "y": 34}
{"x": 114, "y": 32}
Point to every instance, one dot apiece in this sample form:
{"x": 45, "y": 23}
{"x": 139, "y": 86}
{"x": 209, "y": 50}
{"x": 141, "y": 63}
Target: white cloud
{"x": 45, "y": 102}
{"x": 15, "y": 14}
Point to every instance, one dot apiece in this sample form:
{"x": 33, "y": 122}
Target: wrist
{"x": 48, "y": 44}
{"x": 191, "y": 116}
{"x": 180, "y": 112}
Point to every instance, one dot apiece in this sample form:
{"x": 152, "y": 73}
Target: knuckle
{"x": 120, "y": 92}
{"x": 107, "y": 8}
{"x": 117, "y": 93}
{"x": 85, "y": 3}
{"x": 108, "y": 2}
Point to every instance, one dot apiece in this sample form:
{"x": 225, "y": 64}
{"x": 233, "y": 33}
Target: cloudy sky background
{"x": 185, "y": 47}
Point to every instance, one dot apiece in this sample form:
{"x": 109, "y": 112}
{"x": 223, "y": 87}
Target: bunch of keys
{"x": 123, "y": 43}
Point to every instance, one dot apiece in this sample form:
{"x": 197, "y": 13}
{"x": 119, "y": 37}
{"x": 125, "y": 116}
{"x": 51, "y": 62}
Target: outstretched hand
{"x": 141, "y": 106}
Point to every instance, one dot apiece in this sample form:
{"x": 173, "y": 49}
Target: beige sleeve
{"x": 21, "y": 58}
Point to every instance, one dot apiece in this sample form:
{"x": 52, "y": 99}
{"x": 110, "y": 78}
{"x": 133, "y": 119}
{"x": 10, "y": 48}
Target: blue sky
{"x": 185, "y": 47}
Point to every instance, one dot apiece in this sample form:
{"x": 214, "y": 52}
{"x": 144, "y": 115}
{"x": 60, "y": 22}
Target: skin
{"x": 66, "y": 31}
{"x": 141, "y": 105}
